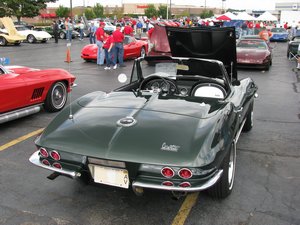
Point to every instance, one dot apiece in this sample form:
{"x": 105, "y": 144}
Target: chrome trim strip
{"x": 35, "y": 159}
{"x": 237, "y": 136}
{"x": 204, "y": 186}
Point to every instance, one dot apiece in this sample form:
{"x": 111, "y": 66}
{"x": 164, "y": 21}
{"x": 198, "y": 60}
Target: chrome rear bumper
{"x": 207, "y": 184}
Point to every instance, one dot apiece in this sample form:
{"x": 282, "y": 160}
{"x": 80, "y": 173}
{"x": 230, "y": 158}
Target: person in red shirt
{"x": 118, "y": 38}
{"x": 99, "y": 41}
{"x": 128, "y": 30}
{"x": 285, "y": 26}
{"x": 108, "y": 46}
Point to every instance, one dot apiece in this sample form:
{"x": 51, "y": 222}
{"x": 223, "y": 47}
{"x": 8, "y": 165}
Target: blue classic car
{"x": 173, "y": 127}
{"x": 279, "y": 34}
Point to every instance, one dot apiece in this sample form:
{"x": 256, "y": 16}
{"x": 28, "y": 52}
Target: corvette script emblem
{"x": 171, "y": 148}
{"x": 126, "y": 122}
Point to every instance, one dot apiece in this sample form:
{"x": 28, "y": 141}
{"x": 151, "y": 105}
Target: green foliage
{"x": 98, "y": 10}
{"x": 22, "y": 8}
{"x": 89, "y": 14}
{"x": 206, "y": 14}
{"x": 162, "y": 11}
{"x": 151, "y": 11}
{"x": 62, "y": 11}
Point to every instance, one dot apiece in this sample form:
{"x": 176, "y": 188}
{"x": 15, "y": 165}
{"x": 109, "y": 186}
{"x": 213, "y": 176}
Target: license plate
{"x": 110, "y": 176}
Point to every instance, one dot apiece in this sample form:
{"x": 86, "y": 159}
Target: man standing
{"x": 92, "y": 30}
{"x": 55, "y": 31}
{"x": 118, "y": 38}
{"x": 128, "y": 29}
{"x": 99, "y": 41}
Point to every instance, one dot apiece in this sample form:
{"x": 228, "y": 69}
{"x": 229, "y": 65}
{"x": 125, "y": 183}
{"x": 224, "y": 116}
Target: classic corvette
{"x": 33, "y": 36}
{"x": 254, "y": 53}
{"x": 8, "y": 33}
{"x": 173, "y": 127}
{"x": 24, "y": 90}
{"x": 133, "y": 48}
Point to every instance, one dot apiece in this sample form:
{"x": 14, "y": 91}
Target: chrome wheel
{"x": 31, "y": 38}
{"x": 3, "y": 41}
{"x": 143, "y": 52}
{"x": 56, "y": 97}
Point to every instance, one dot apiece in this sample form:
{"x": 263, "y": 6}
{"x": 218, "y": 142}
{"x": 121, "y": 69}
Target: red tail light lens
{"x": 168, "y": 183}
{"x": 55, "y": 155}
{"x": 57, "y": 165}
{"x": 44, "y": 153}
{"x": 185, "y": 184}
{"x": 185, "y": 173}
{"x": 167, "y": 172}
{"x": 45, "y": 162}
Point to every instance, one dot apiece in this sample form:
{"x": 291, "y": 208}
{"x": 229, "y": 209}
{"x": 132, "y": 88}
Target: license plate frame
{"x": 110, "y": 176}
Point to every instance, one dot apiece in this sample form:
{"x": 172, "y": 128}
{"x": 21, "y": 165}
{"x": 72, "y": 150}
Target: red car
{"x": 254, "y": 53}
{"x": 133, "y": 48}
{"x": 24, "y": 90}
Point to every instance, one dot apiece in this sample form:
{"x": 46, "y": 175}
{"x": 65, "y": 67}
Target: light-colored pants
{"x": 100, "y": 53}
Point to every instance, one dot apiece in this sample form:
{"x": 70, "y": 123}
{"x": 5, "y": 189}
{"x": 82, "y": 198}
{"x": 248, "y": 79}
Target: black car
{"x": 29, "y": 26}
{"x": 293, "y": 46}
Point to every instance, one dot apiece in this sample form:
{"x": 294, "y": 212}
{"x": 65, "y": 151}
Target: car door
{"x": 130, "y": 47}
{"x": 13, "y": 91}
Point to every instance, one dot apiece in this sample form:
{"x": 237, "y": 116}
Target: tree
{"x": 98, "y": 10}
{"x": 22, "y": 8}
{"x": 151, "y": 11}
{"x": 162, "y": 11}
{"x": 89, "y": 14}
{"x": 118, "y": 12}
{"x": 207, "y": 14}
{"x": 62, "y": 11}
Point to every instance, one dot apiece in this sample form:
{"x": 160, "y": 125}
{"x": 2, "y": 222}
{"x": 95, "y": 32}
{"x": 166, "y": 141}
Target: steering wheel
{"x": 160, "y": 84}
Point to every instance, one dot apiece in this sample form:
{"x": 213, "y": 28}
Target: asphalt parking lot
{"x": 267, "y": 178}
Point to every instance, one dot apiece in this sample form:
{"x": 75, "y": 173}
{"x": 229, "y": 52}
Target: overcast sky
{"x": 233, "y": 4}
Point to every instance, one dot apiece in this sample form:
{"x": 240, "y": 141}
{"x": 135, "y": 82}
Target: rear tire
{"x": 56, "y": 97}
{"x": 62, "y": 35}
{"x": 143, "y": 52}
{"x": 31, "y": 38}
{"x": 224, "y": 185}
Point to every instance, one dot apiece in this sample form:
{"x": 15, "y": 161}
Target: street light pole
{"x": 170, "y": 9}
{"x": 71, "y": 8}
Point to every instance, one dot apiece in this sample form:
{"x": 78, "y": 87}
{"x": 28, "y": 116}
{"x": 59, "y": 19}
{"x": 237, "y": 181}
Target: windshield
{"x": 172, "y": 67}
{"x": 278, "y": 30}
{"x": 21, "y": 28}
{"x": 252, "y": 44}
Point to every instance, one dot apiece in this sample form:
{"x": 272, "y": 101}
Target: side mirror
{"x": 122, "y": 78}
{"x": 236, "y": 83}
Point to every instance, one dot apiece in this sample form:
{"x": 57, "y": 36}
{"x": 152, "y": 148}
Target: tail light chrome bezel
{"x": 167, "y": 168}
{"x": 55, "y": 152}
{"x": 42, "y": 152}
{"x": 57, "y": 165}
{"x": 187, "y": 169}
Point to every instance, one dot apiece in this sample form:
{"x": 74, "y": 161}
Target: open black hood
{"x": 205, "y": 42}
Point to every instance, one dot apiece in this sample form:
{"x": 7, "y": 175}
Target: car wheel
{"x": 249, "y": 119}
{"x": 31, "y": 38}
{"x": 224, "y": 185}
{"x": 3, "y": 41}
{"x": 268, "y": 66}
{"x": 56, "y": 97}
{"x": 143, "y": 52}
{"x": 62, "y": 35}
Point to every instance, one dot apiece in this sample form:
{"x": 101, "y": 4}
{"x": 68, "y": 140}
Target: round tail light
{"x": 167, "y": 172}
{"x": 55, "y": 155}
{"x": 45, "y": 162}
{"x": 44, "y": 153}
{"x": 185, "y": 184}
{"x": 57, "y": 165}
{"x": 168, "y": 183}
{"x": 185, "y": 173}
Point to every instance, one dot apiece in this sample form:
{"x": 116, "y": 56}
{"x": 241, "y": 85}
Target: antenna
{"x": 68, "y": 60}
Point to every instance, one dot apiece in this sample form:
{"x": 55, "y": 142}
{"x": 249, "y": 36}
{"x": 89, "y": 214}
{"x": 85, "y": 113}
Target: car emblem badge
{"x": 126, "y": 122}
{"x": 170, "y": 148}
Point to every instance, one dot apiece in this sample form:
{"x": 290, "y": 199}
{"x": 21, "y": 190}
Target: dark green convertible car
{"x": 174, "y": 126}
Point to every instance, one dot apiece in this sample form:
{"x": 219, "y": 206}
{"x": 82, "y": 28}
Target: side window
{"x": 134, "y": 75}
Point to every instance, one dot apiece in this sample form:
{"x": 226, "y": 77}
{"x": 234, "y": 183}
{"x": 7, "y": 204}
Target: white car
{"x": 108, "y": 26}
{"x": 33, "y": 35}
